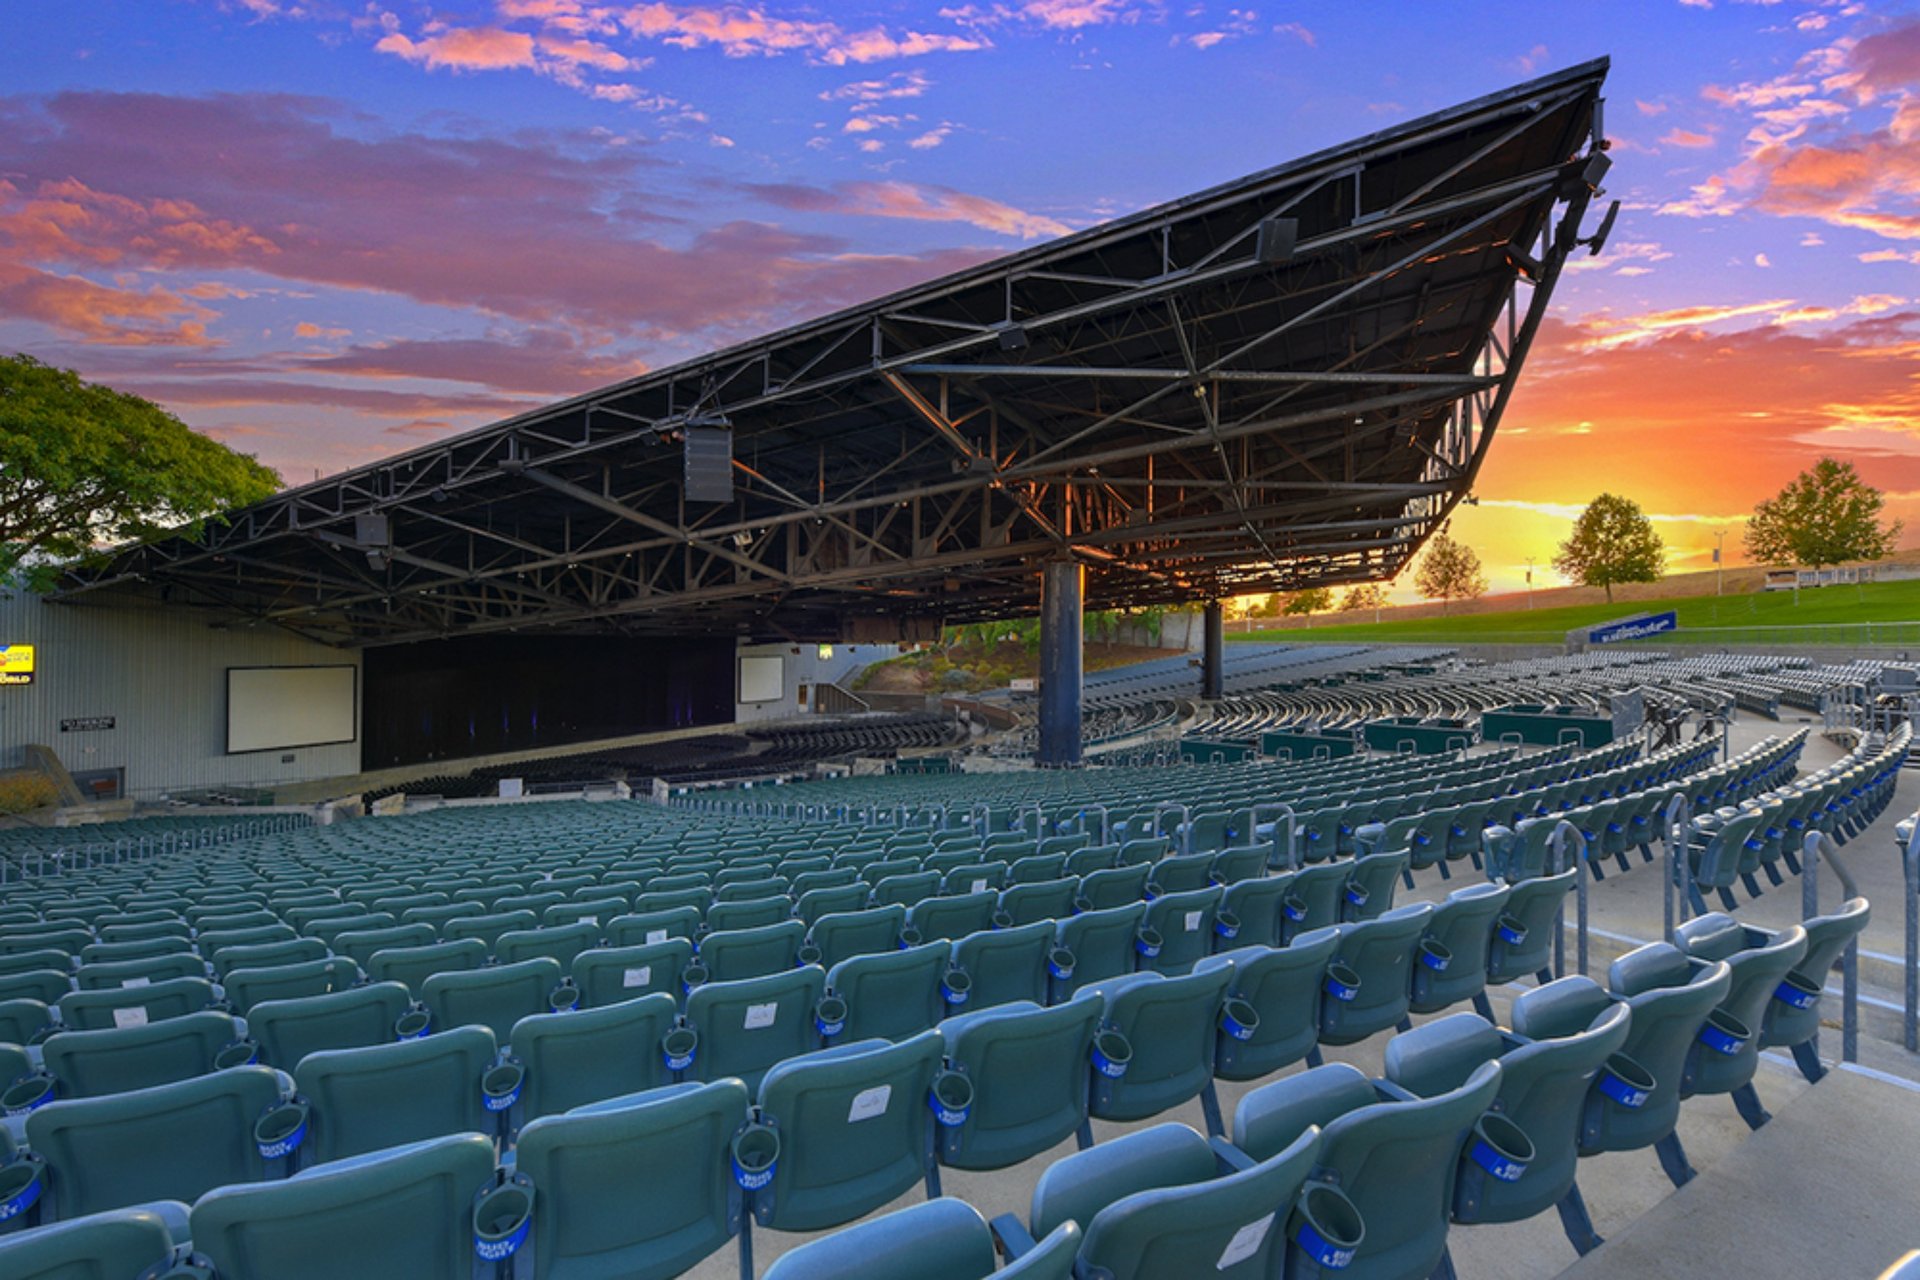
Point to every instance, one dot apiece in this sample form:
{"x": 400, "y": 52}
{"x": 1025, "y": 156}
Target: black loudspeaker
{"x": 371, "y": 529}
{"x": 709, "y": 457}
{"x": 1276, "y": 239}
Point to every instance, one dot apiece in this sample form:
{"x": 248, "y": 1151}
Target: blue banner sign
{"x": 1633, "y": 628}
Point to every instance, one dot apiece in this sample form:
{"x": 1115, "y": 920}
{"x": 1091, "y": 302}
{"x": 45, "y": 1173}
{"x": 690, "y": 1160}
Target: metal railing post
{"x": 1559, "y": 861}
{"x": 1677, "y": 815}
{"x": 1292, "y": 846}
{"x": 1912, "y": 861}
{"x": 1820, "y": 846}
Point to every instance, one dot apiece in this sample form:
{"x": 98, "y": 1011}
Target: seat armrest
{"x": 1011, "y": 1235}
{"x": 1232, "y": 1159}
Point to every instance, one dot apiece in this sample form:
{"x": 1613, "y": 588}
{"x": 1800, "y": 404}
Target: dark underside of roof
{"x": 1283, "y": 382}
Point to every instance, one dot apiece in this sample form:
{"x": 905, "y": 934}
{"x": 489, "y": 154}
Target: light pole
{"x": 1719, "y": 567}
{"x": 1529, "y": 584}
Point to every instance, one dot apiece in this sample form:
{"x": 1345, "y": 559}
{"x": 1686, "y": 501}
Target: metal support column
{"x": 1062, "y": 583}
{"x": 1212, "y": 651}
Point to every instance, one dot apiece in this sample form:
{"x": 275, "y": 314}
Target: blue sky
{"x": 325, "y": 232}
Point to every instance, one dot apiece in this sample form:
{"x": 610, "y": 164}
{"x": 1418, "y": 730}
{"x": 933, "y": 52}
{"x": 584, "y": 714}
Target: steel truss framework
{"x": 1190, "y": 410}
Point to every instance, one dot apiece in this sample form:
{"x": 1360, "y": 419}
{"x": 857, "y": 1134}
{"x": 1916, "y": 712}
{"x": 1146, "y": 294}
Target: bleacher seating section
{"x": 616, "y": 1038}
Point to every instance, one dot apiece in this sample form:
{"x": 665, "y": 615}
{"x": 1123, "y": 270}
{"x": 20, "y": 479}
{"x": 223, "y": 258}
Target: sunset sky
{"x": 323, "y": 232}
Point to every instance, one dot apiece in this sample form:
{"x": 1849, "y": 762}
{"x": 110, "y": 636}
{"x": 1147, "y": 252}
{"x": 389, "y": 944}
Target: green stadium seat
{"x": 747, "y": 1026}
{"x": 943, "y": 1239}
{"x": 1523, "y": 934}
{"x": 391, "y": 1094}
{"x": 169, "y": 1142}
{"x": 1101, "y": 945}
{"x": 1028, "y": 1068}
{"x": 1004, "y": 965}
{"x": 855, "y": 1131}
{"x": 1036, "y": 900}
{"x": 637, "y": 1186}
{"x": 1165, "y": 1204}
{"x": 1284, "y": 987}
{"x": 89, "y": 1064}
{"x": 400, "y": 1214}
{"x": 1451, "y": 965}
{"x": 947, "y": 919}
{"x": 650, "y": 927}
{"x": 891, "y": 995}
{"x": 42, "y": 986}
{"x": 22, "y": 1020}
{"x": 590, "y": 1055}
{"x": 1170, "y": 1026}
{"x": 497, "y": 996}
{"x": 104, "y": 1246}
{"x": 288, "y": 1030}
{"x": 1792, "y": 1019}
{"x": 412, "y": 966}
{"x": 751, "y": 953}
{"x": 1115, "y": 887}
{"x": 610, "y": 975}
{"x": 843, "y": 935}
{"x": 246, "y": 988}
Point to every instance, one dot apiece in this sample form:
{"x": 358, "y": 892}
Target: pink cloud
{"x": 539, "y": 227}
{"x": 741, "y": 31}
{"x": 96, "y": 313}
{"x": 1685, "y": 138}
{"x": 463, "y": 49}
{"x": 542, "y": 362}
{"x": 922, "y": 203}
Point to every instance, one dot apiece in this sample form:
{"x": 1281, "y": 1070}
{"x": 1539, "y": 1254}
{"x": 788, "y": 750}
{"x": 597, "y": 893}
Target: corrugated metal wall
{"x": 161, "y": 674}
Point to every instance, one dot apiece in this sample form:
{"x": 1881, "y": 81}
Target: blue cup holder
{"x": 502, "y": 1218}
{"x": 678, "y": 1047}
{"x": 1510, "y": 930}
{"x": 955, "y": 987}
{"x": 1294, "y": 908}
{"x": 951, "y": 1099}
{"x": 1326, "y": 1228}
{"x": 1357, "y": 894}
{"x": 1434, "y": 956}
{"x": 279, "y": 1132}
{"x": 564, "y": 998}
{"x": 500, "y": 1086}
{"x": 1500, "y": 1148}
{"x": 755, "y": 1153}
{"x": 1724, "y": 1034}
{"x": 1343, "y": 983}
{"x": 413, "y": 1024}
{"x": 1111, "y": 1054}
{"x": 1797, "y": 992}
{"x": 1227, "y": 925}
{"x": 1625, "y": 1082}
{"x": 1239, "y": 1020}
{"x": 692, "y": 976}
{"x": 1060, "y": 963}
{"x": 1147, "y": 942}
{"x": 830, "y": 1016}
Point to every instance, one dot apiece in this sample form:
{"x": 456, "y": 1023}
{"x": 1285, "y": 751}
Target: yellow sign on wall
{"x": 16, "y": 664}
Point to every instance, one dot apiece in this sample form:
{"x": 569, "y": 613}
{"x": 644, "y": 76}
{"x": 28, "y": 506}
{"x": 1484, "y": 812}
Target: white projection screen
{"x": 272, "y": 708}
{"x": 763, "y": 679}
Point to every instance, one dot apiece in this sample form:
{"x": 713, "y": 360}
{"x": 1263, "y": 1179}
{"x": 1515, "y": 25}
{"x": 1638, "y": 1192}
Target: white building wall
{"x": 161, "y": 674}
{"x": 803, "y": 665}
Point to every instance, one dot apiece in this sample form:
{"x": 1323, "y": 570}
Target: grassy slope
{"x": 1872, "y": 602}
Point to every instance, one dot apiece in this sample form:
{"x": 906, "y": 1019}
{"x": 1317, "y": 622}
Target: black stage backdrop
{"x": 449, "y": 699}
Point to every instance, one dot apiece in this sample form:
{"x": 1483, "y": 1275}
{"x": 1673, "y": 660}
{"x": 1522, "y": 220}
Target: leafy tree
{"x": 82, "y": 465}
{"x": 1612, "y": 541}
{"x": 1449, "y": 571}
{"x": 1826, "y": 515}
{"x": 1312, "y": 600}
{"x": 1370, "y": 595}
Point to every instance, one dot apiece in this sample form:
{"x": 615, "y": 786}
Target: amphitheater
{"x": 430, "y": 900}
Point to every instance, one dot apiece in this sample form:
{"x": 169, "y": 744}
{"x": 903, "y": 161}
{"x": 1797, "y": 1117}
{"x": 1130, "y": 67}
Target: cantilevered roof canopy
{"x": 1282, "y": 382}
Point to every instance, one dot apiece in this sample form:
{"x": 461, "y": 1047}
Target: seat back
{"x": 412, "y": 966}
{"x": 134, "y": 1006}
{"x": 1004, "y": 965}
{"x": 1116, "y": 887}
{"x": 1169, "y": 1024}
{"x": 495, "y": 997}
{"x": 1254, "y": 905}
{"x": 747, "y": 1026}
{"x": 386, "y": 1095}
{"x": 399, "y": 1215}
{"x": 560, "y": 942}
{"x": 891, "y": 995}
{"x": 751, "y": 953}
{"x": 122, "y": 1243}
{"x": 122, "y": 973}
{"x": 943, "y": 1239}
{"x": 945, "y": 919}
{"x": 1522, "y": 942}
{"x": 1798, "y": 1021}
{"x": 590, "y": 1055}
{"x": 1758, "y": 963}
{"x": 359, "y": 945}
{"x": 1670, "y": 997}
{"x": 842, "y": 935}
{"x": 1452, "y": 963}
{"x": 1398, "y": 1162}
{"x": 1285, "y": 987}
{"x": 1313, "y": 899}
{"x": 289, "y": 1030}
{"x": 855, "y": 1130}
{"x": 1102, "y": 944}
{"x": 246, "y": 988}
{"x": 1231, "y": 1226}
{"x": 1380, "y": 954}
{"x": 609, "y": 975}
{"x": 1185, "y": 925}
{"x": 92, "y": 1063}
{"x": 1028, "y": 1068}
{"x": 170, "y": 1142}
{"x": 1047, "y": 900}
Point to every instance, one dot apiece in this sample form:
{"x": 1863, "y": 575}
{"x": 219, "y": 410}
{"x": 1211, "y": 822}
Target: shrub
{"x": 20, "y": 792}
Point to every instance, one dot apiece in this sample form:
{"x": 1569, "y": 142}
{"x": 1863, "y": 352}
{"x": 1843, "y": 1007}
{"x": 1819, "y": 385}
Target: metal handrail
{"x": 1819, "y": 845}
{"x": 1911, "y": 862}
{"x": 1679, "y": 867}
{"x": 1186, "y": 822}
{"x": 1558, "y": 860}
